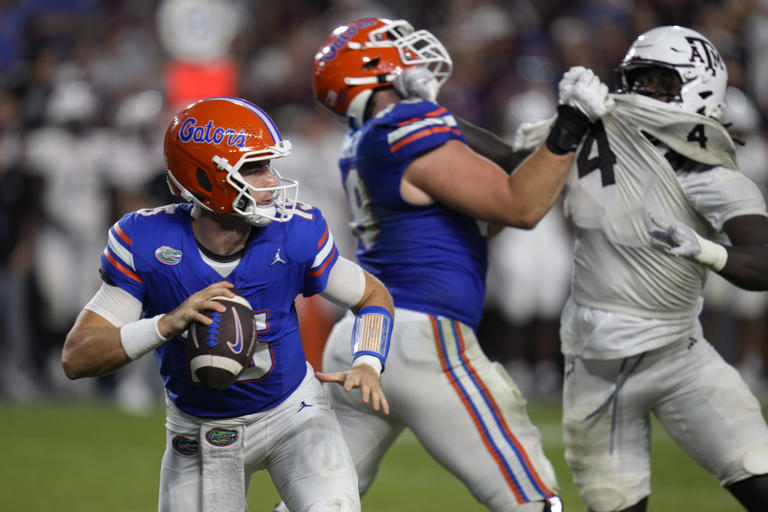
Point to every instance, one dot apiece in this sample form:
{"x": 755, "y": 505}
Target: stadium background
{"x": 87, "y": 88}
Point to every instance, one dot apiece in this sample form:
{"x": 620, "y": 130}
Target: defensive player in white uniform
{"x": 242, "y": 226}
{"x": 654, "y": 183}
{"x": 417, "y": 193}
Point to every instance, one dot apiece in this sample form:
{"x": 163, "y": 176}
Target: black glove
{"x": 568, "y": 129}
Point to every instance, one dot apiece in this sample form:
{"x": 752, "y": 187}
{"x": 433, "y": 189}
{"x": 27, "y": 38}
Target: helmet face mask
{"x": 661, "y": 83}
{"x": 696, "y": 62}
{"x": 207, "y": 145}
{"x": 258, "y": 212}
{"x": 368, "y": 54}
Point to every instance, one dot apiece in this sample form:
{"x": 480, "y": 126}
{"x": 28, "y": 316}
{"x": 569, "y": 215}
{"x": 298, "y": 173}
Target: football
{"x": 218, "y": 353}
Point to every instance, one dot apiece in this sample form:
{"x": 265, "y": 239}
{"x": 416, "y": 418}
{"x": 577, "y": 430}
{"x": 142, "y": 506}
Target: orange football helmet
{"x": 207, "y": 144}
{"x": 367, "y": 54}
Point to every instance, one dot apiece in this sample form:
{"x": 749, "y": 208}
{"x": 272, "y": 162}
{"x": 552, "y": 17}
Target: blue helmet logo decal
{"x": 209, "y": 134}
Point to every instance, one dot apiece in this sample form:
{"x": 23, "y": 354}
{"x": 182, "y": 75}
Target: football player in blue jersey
{"x": 242, "y": 227}
{"x": 421, "y": 201}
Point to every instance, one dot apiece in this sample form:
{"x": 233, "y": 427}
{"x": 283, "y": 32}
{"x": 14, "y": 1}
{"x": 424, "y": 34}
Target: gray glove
{"x": 582, "y": 89}
{"x": 417, "y": 82}
{"x": 674, "y": 237}
{"x": 679, "y": 239}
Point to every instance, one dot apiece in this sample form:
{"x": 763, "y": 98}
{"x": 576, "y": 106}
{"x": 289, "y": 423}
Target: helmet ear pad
{"x": 358, "y": 110}
{"x": 202, "y": 179}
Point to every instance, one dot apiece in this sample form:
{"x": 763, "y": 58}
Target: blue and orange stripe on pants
{"x": 501, "y": 443}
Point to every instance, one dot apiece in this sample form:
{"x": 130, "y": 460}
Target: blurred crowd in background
{"x": 87, "y": 88}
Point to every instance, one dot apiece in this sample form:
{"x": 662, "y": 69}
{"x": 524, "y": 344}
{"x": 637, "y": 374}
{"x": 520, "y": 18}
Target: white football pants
{"x": 464, "y": 409}
{"x": 299, "y": 442}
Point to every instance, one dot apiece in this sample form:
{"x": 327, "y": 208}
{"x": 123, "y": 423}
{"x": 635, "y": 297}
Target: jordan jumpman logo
{"x": 277, "y": 259}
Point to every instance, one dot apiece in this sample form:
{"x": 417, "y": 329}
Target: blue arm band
{"x": 372, "y": 333}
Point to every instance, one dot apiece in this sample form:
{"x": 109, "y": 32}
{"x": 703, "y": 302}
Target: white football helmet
{"x": 702, "y": 72}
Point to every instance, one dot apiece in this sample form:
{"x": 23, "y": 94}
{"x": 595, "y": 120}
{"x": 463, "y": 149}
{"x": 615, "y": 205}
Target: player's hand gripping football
{"x": 582, "y": 89}
{"x": 178, "y": 320}
{"x": 363, "y": 377}
{"x": 417, "y": 82}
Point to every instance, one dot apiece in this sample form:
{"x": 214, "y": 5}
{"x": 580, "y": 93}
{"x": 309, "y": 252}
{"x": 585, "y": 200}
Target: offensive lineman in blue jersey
{"x": 244, "y": 228}
{"x": 416, "y": 192}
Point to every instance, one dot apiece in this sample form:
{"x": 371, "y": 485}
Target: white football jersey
{"x": 627, "y": 296}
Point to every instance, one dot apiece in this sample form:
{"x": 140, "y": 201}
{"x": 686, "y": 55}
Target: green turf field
{"x": 88, "y": 458}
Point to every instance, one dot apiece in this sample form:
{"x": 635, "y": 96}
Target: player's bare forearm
{"x": 92, "y": 348}
{"x": 747, "y": 267}
{"x": 375, "y": 294}
{"x": 538, "y": 182}
{"x": 747, "y": 263}
{"x": 540, "y": 175}
{"x": 464, "y": 180}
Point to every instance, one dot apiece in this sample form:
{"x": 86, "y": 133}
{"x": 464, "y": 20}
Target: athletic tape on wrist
{"x": 372, "y": 333}
{"x": 566, "y": 132}
{"x": 712, "y": 255}
{"x": 141, "y": 336}
{"x": 372, "y": 361}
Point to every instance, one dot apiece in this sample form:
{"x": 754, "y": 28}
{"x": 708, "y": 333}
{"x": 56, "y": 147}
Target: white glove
{"x": 582, "y": 89}
{"x": 417, "y": 82}
{"x": 679, "y": 239}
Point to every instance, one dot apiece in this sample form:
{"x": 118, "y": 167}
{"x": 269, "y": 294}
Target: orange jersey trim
{"x": 418, "y": 135}
{"x": 122, "y": 268}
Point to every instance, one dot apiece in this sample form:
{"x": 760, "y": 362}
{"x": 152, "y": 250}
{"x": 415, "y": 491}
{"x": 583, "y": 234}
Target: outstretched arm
{"x": 465, "y": 180}
{"x": 367, "y": 297}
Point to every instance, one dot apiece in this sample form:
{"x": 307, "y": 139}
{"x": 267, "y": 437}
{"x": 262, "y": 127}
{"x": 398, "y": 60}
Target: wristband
{"x": 372, "y": 333}
{"x": 712, "y": 255}
{"x": 141, "y": 336}
{"x": 372, "y": 361}
{"x": 569, "y": 128}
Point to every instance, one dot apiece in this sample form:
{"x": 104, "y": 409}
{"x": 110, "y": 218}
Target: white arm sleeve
{"x": 346, "y": 283}
{"x": 115, "y": 304}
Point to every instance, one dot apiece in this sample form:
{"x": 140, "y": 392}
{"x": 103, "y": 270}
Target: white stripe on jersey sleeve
{"x": 116, "y": 247}
{"x": 324, "y": 252}
{"x": 400, "y": 133}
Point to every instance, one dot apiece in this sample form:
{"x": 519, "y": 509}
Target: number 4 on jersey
{"x": 604, "y": 160}
{"x": 698, "y": 135}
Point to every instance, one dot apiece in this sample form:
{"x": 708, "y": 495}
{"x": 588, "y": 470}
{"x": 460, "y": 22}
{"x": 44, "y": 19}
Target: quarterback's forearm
{"x": 375, "y": 294}
{"x": 92, "y": 351}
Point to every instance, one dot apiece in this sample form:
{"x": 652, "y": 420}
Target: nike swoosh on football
{"x": 238, "y": 345}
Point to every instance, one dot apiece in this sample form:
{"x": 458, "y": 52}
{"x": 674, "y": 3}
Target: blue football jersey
{"x": 153, "y": 255}
{"x": 431, "y": 258}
